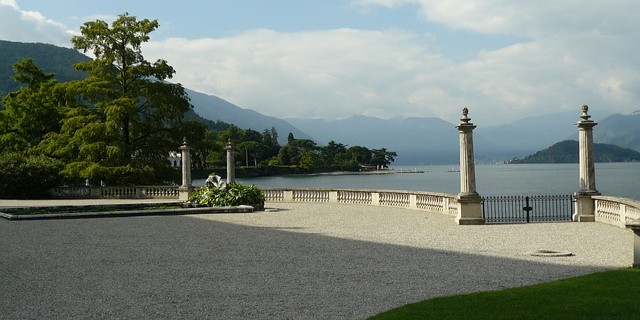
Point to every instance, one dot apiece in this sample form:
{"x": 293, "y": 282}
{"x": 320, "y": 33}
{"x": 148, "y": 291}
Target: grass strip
{"x": 604, "y": 295}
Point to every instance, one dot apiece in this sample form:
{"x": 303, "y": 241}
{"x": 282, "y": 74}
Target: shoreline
{"x": 357, "y": 173}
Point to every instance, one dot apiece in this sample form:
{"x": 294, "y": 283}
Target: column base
{"x": 469, "y": 221}
{"x": 585, "y": 207}
{"x": 576, "y": 217}
{"x": 636, "y": 244}
{"x": 469, "y": 210}
{"x": 184, "y": 193}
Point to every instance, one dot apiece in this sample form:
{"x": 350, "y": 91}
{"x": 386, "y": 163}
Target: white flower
{"x": 215, "y": 181}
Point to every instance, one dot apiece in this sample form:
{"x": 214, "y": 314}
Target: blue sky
{"x": 503, "y": 59}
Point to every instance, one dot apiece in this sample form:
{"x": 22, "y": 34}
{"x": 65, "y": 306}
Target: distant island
{"x": 567, "y": 152}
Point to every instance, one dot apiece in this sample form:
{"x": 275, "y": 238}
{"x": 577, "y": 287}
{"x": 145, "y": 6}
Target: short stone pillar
{"x": 636, "y": 244}
{"x": 231, "y": 162}
{"x": 470, "y": 202}
{"x": 186, "y": 188}
{"x": 585, "y": 205}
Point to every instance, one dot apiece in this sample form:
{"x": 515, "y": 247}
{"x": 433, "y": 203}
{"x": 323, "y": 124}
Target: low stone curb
{"x": 123, "y": 213}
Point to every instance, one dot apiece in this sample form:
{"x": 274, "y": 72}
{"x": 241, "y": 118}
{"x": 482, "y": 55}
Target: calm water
{"x": 614, "y": 179}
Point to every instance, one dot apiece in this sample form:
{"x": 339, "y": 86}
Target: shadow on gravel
{"x": 181, "y": 267}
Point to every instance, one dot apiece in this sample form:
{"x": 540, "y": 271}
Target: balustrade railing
{"x": 311, "y": 195}
{"x": 394, "y": 199}
{"x": 129, "y": 192}
{"x": 354, "y": 196}
{"x": 426, "y": 201}
{"x": 617, "y": 211}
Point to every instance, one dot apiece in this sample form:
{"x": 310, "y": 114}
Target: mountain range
{"x": 417, "y": 140}
{"x": 214, "y": 108}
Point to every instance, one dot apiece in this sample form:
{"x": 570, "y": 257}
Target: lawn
{"x": 605, "y": 295}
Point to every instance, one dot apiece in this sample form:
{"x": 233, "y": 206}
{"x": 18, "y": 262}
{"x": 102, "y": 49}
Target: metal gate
{"x": 525, "y": 209}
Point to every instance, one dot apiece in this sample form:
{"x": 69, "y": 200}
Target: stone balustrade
{"x": 616, "y": 211}
{"x": 426, "y": 201}
{"x": 128, "y": 192}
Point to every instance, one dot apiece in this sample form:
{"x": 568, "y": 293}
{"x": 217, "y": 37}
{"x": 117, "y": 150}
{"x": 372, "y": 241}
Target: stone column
{"x": 636, "y": 244}
{"x": 186, "y": 188}
{"x": 470, "y": 202}
{"x": 231, "y": 164}
{"x": 585, "y": 205}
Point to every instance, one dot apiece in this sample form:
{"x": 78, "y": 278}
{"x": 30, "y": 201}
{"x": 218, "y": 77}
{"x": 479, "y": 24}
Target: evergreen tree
{"x": 32, "y": 111}
{"x": 123, "y": 119}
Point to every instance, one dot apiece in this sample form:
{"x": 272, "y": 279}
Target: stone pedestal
{"x": 470, "y": 202}
{"x": 584, "y": 209}
{"x": 231, "y": 162}
{"x": 184, "y": 191}
{"x": 636, "y": 244}
{"x": 585, "y": 205}
{"x": 469, "y": 211}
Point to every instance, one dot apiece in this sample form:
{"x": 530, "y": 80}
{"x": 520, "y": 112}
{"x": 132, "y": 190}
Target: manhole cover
{"x": 550, "y": 253}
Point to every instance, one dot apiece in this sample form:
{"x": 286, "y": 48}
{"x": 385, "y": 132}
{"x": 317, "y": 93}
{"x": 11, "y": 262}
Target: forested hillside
{"x": 567, "y": 152}
{"x": 48, "y": 57}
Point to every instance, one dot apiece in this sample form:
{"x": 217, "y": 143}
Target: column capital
{"x": 230, "y": 145}
{"x": 465, "y": 124}
{"x": 585, "y": 122}
{"x": 185, "y": 145}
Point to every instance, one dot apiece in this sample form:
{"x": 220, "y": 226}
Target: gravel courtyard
{"x": 294, "y": 261}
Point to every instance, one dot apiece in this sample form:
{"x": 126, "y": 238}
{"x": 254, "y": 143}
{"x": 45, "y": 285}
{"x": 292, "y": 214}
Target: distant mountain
{"x": 618, "y": 129}
{"x": 435, "y": 141}
{"x": 214, "y": 108}
{"x": 416, "y": 140}
{"x": 60, "y": 61}
{"x": 567, "y": 152}
{"x": 48, "y": 57}
{"x": 530, "y": 134}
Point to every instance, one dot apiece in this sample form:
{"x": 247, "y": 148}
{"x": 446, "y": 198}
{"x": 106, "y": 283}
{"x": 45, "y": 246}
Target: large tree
{"x": 122, "y": 119}
{"x": 382, "y": 157}
{"x": 29, "y": 114}
{"x": 31, "y": 111}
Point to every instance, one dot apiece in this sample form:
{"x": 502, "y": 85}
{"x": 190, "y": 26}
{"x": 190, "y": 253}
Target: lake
{"x": 612, "y": 179}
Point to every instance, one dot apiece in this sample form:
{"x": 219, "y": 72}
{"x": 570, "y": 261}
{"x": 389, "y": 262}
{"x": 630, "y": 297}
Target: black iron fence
{"x": 525, "y": 209}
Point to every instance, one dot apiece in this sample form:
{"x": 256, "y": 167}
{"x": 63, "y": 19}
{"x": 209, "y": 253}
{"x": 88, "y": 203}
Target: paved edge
{"x": 122, "y": 213}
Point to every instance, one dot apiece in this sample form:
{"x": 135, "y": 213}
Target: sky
{"x": 505, "y": 60}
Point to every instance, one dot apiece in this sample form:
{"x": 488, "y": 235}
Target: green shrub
{"x": 233, "y": 194}
{"x": 23, "y": 177}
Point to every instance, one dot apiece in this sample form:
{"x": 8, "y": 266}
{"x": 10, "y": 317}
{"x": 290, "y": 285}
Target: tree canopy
{"x": 115, "y": 125}
{"x": 255, "y": 150}
{"x": 118, "y": 122}
{"x": 130, "y": 116}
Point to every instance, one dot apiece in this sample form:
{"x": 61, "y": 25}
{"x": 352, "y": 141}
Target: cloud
{"x": 30, "y": 26}
{"x": 571, "y": 54}
{"x": 337, "y": 73}
{"x": 330, "y": 73}
{"x": 523, "y": 18}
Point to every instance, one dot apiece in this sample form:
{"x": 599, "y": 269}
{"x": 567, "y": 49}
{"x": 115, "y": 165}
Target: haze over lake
{"x": 612, "y": 179}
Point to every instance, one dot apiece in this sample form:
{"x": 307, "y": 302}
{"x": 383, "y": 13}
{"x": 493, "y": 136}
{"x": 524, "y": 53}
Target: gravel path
{"x": 296, "y": 261}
